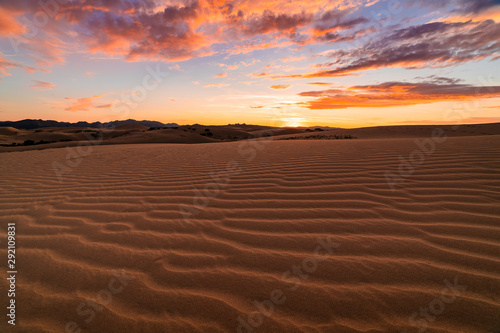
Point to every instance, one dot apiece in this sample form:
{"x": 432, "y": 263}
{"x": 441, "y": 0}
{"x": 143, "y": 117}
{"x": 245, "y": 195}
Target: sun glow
{"x": 293, "y": 122}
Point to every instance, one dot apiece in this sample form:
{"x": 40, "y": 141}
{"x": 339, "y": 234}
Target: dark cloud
{"x": 337, "y": 19}
{"x": 436, "y": 45}
{"x": 271, "y": 22}
{"x": 183, "y": 29}
{"x": 438, "y": 79}
{"x": 460, "y": 6}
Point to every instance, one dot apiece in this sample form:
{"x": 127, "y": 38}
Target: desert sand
{"x": 290, "y": 236}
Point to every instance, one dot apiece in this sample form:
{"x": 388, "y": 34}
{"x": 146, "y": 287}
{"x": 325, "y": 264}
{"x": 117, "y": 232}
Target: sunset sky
{"x": 284, "y": 63}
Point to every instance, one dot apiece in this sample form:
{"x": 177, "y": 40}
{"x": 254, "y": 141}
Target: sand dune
{"x": 114, "y": 221}
{"x": 9, "y": 131}
{"x": 56, "y": 137}
{"x": 407, "y": 131}
{"x": 130, "y": 127}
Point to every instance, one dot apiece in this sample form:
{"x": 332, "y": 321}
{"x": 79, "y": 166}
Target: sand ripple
{"x": 118, "y": 211}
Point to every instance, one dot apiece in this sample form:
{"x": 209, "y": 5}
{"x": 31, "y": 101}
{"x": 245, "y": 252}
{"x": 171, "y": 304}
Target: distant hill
{"x": 29, "y": 124}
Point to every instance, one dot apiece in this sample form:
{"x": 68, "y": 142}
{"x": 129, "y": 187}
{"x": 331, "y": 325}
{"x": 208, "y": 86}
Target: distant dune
{"x": 130, "y": 127}
{"x": 12, "y": 139}
{"x": 9, "y": 131}
{"x": 269, "y": 236}
{"x": 412, "y": 131}
{"x": 30, "y": 124}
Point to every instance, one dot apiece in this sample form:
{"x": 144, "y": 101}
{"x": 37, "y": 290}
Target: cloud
{"x": 396, "y": 94}
{"x": 246, "y": 64}
{"x": 8, "y": 23}
{"x": 319, "y": 83}
{"x": 262, "y": 74}
{"x": 104, "y": 106}
{"x": 272, "y": 22}
{"x": 439, "y": 79}
{"x": 176, "y": 67}
{"x": 180, "y": 30}
{"x": 280, "y": 87}
{"x": 218, "y": 85}
{"x": 333, "y": 20}
{"x": 41, "y": 85}
{"x": 171, "y": 30}
{"x": 81, "y": 104}
{"x": 290, "y": 59}
{"x": 85, "y": 104}
{"x": 460, "y": 6}
{"x": 5, "y": 65}
{"x": 437, "y": 44}
{"x": 220, "y": 75}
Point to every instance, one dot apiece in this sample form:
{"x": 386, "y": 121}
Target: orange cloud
{"x": 220, "y": 75}
{"x": 81, "y": 104}
{"x": 319, "y": 83}
{"x": 8, "y": 23}
{"x": 396, "y": 94}
{"x": 86, "y": 103}
{"x": 280, "y": 87}
{"x": 263, "y": 74}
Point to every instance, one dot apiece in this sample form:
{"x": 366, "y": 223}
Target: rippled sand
{"x": 307, "y": 236}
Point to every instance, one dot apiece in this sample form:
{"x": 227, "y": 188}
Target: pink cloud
{"x": 5, "y": 65}
{"x": 41, "y": 85}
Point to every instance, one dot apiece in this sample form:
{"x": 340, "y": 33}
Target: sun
{"x": 292, "y": 122}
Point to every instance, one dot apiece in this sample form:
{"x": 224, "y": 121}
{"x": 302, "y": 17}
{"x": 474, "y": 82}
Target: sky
{"x": 348, "y": 63}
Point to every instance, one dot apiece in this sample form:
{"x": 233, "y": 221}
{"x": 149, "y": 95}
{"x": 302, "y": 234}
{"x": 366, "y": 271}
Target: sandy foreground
{"x": 255, "y": 236}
